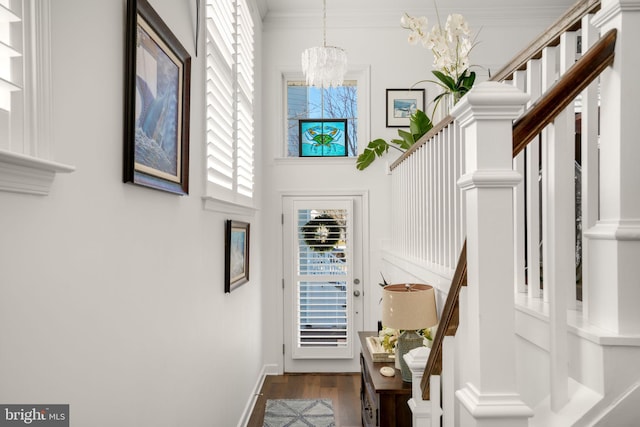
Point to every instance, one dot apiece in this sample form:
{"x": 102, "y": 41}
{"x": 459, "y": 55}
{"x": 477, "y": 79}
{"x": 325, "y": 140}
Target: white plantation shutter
{"x": 220, "y": 83}
{"x": 230, "y": 101}
{"x": 322, "y": 272}
{"x": 245, "y": 65}
{"x": 10, "y": 69}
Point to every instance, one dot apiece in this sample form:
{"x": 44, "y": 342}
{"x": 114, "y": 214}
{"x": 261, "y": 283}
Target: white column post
{"x": 614, "y": 242}
{"x": 426, "y": 413}
{"x": 489, "y": 396}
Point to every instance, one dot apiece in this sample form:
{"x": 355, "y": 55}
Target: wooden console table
{"x": 383, "y": 399}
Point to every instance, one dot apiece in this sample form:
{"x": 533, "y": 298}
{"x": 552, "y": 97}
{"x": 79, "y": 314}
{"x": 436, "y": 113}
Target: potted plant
{"x": 450, "y": 45}
{"x": 419, "y": 125}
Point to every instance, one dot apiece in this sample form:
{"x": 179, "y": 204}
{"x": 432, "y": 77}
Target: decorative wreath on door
{"x": 322, "y": 233}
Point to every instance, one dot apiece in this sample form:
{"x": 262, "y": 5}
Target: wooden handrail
{"x": 539, "y": 116}
{"x": 571, "y": 20}
{"x": 449, "y": 322}
{"x": 560, "y": 95}
{"x": 419, "y": 143}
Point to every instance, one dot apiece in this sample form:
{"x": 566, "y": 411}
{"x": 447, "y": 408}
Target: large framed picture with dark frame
{"x": 323, "y": 137}
{"x": 236, "y": 254}
{"x": 157, "y": 97}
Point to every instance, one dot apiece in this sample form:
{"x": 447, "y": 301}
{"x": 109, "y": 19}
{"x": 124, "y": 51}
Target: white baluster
{"x": 520, "y": 79}
{"x": 589, "y": 160}
{"x": 451, "y": 363}
{"x": 534, "y": 88}
{"x": 549, "y": 76}
{"x": 559, "y": 234}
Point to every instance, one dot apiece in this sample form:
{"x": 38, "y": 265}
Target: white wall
{"x": 111, "y": 295}
{"x": 375, "y": 40}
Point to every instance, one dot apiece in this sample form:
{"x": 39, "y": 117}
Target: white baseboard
{"x": 248, "y": 409}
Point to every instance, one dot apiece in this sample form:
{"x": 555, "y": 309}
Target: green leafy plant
{"x": 389, "y": 337}
{"x": 456, "y": 88}
{"x": 419, "y": 125}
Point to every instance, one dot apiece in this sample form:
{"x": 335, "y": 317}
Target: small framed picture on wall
{"x": 401, "y": 104}
{"x": 236, "y": 254}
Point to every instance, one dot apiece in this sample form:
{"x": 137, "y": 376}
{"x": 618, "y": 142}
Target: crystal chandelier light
{"x": 324, "y": 65}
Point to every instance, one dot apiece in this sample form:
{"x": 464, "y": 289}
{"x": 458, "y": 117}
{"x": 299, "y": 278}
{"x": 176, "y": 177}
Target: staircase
{"x": 522, "y": 209}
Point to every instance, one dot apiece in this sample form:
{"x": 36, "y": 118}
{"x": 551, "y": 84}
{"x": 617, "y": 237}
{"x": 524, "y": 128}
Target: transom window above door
{"x": 321, "y": 122}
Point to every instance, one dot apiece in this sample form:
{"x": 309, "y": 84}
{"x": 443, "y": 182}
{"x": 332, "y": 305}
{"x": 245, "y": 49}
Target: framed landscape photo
{"x": 157, "y": 85}
{"x": 236, "y": 254}
{"x": 401, "y": 104}
{"x": 323, "y": 137}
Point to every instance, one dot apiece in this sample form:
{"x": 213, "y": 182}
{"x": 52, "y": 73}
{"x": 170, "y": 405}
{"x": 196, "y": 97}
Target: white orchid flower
{"x": 422, "y": 22}
{"x": 418, "y": 24}
{"x": 457, "y": 26}
{"x": 436, "y": 41}
{"x": 413, "y": 38}
{"x": 404, "y": 21}
{"x": 443, "y": 63}
{"x": 450, "y": 47}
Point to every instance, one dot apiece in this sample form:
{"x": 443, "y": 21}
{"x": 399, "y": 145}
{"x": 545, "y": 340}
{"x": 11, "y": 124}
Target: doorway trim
{"x": 366, "y": 256}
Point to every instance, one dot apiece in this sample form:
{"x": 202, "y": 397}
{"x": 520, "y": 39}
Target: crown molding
{"x": 347, "y": 18}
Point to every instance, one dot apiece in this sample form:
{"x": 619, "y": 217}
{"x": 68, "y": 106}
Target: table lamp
{"x": 408, "y": 308}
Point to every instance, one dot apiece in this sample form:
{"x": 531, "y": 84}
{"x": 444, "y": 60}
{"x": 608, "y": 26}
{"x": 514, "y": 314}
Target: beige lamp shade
{"x": 409, "y": 306}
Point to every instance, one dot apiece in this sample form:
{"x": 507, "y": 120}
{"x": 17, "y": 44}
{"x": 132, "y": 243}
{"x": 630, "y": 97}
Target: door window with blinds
{"x": 322, "y": 301}
{"x": 230, "y": 100}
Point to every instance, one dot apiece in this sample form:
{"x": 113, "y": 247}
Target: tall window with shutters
{"x": 230, "y": 101}
{"x": 10, "y": 50}
{"x": 25, "y": 101}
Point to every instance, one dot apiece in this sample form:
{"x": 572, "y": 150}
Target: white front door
{"x": 322, "y": 283}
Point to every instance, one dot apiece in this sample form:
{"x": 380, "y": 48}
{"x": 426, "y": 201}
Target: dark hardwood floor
{"x": 342, "y": 389}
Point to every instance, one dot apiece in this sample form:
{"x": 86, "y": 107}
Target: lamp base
{"x": 407, "y": 341}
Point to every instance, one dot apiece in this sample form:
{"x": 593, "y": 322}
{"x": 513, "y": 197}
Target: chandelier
{"x": 324, "y": 65}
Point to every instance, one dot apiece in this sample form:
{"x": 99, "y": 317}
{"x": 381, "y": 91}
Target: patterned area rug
{"x": 299, "y": 413}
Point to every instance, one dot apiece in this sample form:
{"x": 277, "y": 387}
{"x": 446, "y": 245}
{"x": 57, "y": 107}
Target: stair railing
{"x": 525, "y": 129}
{"x": 442, "y": 222}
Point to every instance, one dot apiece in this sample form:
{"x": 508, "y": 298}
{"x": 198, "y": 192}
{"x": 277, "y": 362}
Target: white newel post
{"x": 614, "y": 242}
{"x": 489, "y": 396}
